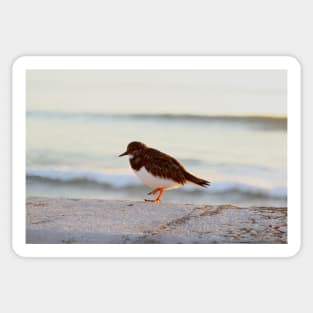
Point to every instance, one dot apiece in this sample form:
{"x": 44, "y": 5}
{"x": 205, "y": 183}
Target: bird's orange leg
{"x": 154, "y": 191}
{"x": 161, "y": 190}
{"x": 160, "y": 195}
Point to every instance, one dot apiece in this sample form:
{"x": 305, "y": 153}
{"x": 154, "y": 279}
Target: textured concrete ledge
{"x": 54, "y": 220}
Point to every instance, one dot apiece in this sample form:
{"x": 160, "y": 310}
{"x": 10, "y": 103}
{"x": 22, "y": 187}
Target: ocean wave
{"x": 129, "y": 181}
{"x": 115, "y": 180}
{"x": 260, "y": 121}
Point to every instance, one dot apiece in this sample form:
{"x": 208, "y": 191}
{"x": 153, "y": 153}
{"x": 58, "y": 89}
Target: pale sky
{"x": 262, "y": 92}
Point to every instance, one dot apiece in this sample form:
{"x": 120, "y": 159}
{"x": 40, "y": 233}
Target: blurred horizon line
{"x": 43, "y": 113}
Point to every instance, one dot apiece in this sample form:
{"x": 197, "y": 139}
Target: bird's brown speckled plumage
{"x": 160, "y": 164}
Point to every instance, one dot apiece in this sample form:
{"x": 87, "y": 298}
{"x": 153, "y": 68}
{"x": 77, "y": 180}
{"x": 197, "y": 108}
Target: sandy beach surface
{"x": 74, "y": 221}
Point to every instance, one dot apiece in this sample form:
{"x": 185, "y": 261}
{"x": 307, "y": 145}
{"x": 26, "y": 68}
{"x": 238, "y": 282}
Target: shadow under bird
{"x": 159, "y": 170}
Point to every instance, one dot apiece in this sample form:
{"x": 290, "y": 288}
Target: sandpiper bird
{"x": 158, "y": 170}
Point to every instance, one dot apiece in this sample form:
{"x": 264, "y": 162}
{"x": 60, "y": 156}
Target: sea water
{"x": 75, "y": 154}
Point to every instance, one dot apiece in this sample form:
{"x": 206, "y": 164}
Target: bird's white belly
{"x": 154, "y": 181}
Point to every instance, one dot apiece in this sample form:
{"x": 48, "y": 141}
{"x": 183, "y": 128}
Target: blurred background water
{"x": 229, "y": 127}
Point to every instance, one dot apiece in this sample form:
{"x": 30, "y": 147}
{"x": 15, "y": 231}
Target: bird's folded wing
{"x": 165, "y": 166}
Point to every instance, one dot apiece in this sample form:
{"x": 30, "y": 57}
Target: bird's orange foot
{"x": 160, "y": 190}
{"x": 153, "y": 201}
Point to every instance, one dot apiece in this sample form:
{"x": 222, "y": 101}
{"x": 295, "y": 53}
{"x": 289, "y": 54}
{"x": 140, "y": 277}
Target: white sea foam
{"x": 125, "y": 180}
{"x": 116, "y": 180}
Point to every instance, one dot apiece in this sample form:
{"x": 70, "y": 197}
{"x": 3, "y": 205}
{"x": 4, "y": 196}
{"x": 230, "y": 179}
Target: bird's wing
{"x": 163, "y": 165}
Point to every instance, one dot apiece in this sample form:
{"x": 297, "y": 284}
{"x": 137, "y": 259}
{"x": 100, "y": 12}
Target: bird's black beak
{"x": 125, "y": 153}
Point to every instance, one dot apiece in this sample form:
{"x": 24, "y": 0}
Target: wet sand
{"x": 74, "y": 221}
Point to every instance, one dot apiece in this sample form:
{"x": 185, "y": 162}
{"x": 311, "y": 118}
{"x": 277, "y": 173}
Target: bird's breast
{"x": 135, "y": 162}
{"x": 155, "y": 181}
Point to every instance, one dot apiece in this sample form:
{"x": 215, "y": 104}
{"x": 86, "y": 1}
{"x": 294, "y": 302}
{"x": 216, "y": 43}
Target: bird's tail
{"x": 198, "y": 181}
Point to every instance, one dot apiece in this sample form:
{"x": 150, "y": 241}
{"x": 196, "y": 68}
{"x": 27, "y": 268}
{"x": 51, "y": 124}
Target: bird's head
{"x": 134, "y": 148}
